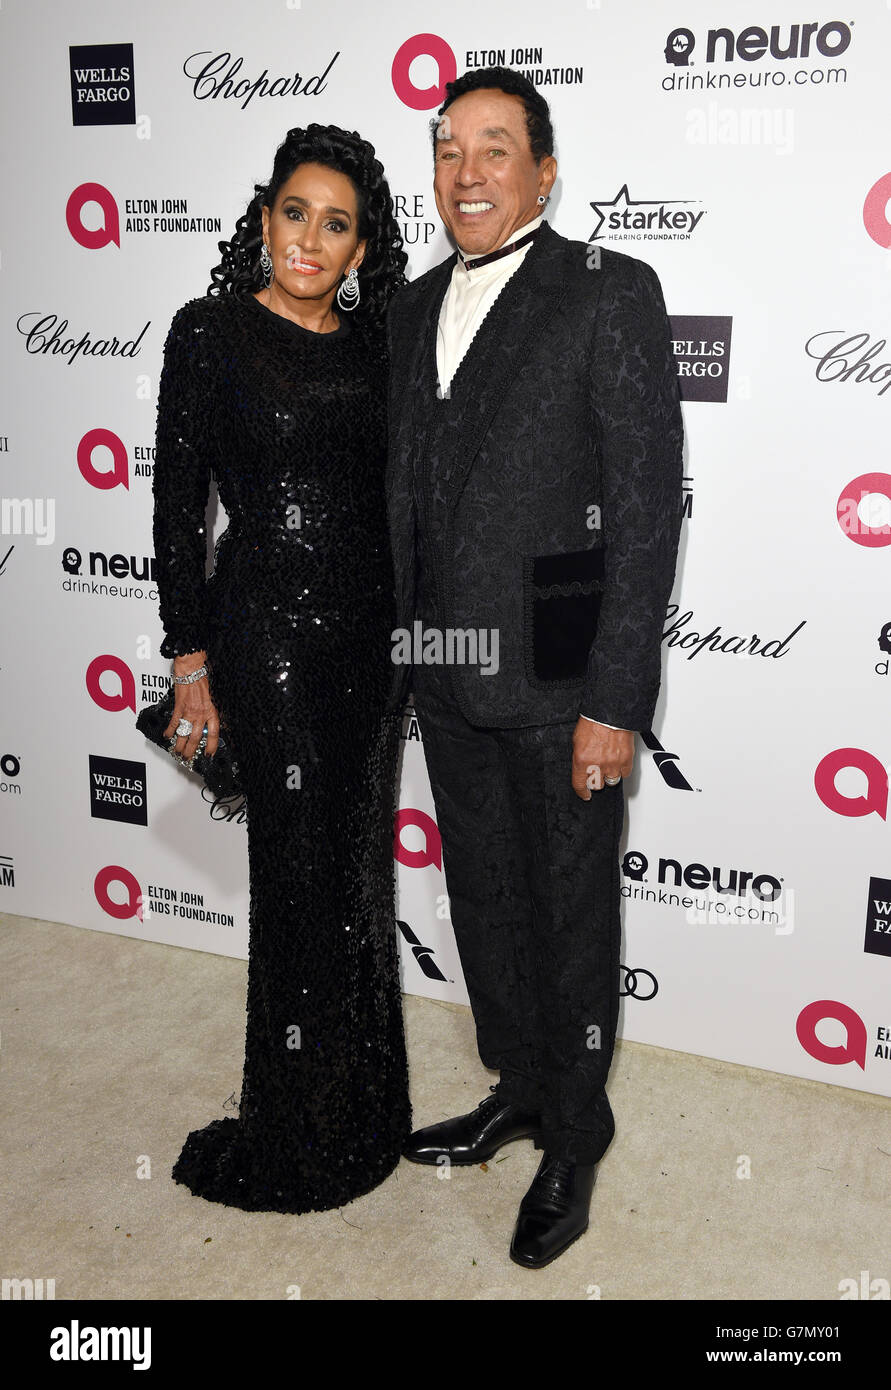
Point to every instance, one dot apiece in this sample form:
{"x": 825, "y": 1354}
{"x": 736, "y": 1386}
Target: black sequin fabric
{"x": 296, "y": 621}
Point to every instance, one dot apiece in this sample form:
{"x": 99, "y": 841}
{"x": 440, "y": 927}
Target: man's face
{"x": 486, "y": 181}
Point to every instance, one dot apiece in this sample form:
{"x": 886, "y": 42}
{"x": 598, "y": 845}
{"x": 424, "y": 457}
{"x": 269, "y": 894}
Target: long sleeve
{"x": 638, "y": 415}
{"x": 181, "y": 482}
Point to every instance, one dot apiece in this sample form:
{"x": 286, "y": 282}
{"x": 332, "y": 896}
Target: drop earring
{"x": 266, "y": 265}
{"x": 348, "y": 291}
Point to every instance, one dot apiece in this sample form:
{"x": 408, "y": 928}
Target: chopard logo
{"x": 715, "y": 641}
{"x": 850, "y": 357}
{"x": 45, "y": 335}
{"x": 216, "y": 78}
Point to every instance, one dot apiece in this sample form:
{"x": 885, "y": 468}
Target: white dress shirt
{"x": 469, "y": 297}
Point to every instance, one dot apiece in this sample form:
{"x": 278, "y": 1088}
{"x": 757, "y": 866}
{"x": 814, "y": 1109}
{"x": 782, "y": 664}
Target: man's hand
{"x": 599, "y": 752}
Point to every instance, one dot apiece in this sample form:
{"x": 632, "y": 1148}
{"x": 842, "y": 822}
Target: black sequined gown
{"x": 296, "y": 620}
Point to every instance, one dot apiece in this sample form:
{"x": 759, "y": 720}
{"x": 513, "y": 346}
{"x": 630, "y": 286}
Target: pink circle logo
{"x": 853, "y": 1049}
{"x": 417, "y": 858}
{"x": 426, "y": 45}
{"x": 875, "y": 802}
{"x": 132, "y": 904}
{"x": 109, "y": 230}
{"x": 124, "y": 697}
{"x": 864, "y": 509}
{"x": 875, "y": 212}
{"x": 117, "y": 475}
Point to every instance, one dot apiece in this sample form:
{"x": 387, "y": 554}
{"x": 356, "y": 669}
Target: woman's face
{"x": 312, "y": 232}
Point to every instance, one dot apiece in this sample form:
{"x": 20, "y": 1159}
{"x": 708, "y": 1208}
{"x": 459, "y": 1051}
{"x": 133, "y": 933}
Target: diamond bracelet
{"x": 191, "y": 677}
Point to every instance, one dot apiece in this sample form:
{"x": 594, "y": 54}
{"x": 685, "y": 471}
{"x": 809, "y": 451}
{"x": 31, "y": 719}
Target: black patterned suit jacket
{"x": 556, "y": 457}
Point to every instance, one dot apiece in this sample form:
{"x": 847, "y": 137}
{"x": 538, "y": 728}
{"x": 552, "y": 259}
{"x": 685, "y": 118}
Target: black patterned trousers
{"x": 532, "y": 874}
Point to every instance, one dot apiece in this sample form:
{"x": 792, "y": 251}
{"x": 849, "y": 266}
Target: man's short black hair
{"x": 538, "y": 113}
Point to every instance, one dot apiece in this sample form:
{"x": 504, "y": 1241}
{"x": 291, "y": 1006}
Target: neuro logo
{"x": 853, "y": 1049}
{"x": 885, "y": 639}
{"x": 753, "y": 43}
{"x": 876, "y": 797}
{"x": 875, "y": 212}
{"x": 678, "y": 47}
{"x": 423, "y": 45}
{"x": 417, "y": 858}
{"x": 635, "y": 865}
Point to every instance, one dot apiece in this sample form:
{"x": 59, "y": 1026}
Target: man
{"x": 534, "y": 493}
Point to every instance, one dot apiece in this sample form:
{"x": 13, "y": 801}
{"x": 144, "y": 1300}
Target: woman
{"x": 275, "y": 381}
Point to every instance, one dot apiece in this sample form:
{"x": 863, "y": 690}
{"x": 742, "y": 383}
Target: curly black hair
{"x": 382, "y": 271}
{"x": 514, "y": 84}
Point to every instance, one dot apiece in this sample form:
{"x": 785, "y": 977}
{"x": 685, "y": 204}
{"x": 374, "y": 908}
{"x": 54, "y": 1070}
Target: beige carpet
{"x": 113, "y": 1049}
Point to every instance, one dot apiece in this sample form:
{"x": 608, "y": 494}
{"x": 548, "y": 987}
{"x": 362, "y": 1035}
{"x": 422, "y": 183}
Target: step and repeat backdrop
{"x": 750, "y": 164}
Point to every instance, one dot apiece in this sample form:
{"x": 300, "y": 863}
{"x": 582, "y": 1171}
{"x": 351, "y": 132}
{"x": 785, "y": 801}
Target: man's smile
{"x": 467, "y": 209}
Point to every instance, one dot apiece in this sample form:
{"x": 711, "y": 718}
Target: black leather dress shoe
{"x": 554, "y": 1211}
{"x": 474, "y": 1137}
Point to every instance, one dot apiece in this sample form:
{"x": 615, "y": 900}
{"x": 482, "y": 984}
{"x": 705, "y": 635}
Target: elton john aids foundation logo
{"x": 424, "y": 46}
{"x": 853, "y": 1049}
{"x": 876, "y": 218}
{"x": 417, "y": 857}
{"x": 864, "y": 509}
{"x": 109, "y": 229}
{"x": 103, "y": 478}
{"x": 858, "y": 798}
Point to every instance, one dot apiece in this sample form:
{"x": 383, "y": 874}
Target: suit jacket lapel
{"x": 500, "y": 347}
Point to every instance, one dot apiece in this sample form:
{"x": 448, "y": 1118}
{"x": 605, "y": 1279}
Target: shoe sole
{"x": 466, "y": 1162}
{"x": 540, "y": 1264}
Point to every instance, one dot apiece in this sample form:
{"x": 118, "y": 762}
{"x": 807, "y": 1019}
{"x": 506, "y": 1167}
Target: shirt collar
{"x": 506, "y": 261}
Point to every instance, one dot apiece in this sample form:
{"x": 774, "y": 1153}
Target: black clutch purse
{"x": 220, "y": 772}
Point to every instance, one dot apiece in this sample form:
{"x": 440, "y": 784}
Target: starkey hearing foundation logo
{"x": 624, "y": 218}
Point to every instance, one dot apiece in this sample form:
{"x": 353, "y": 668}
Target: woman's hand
{"x": 193, "y": 702}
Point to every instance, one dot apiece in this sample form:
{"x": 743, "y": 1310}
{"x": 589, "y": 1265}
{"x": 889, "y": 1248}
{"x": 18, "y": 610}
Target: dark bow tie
{"x": 474, "y": 263}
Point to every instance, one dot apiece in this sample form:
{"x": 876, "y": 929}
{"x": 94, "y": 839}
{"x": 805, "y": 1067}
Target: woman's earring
{"x": 348, "y": 292}
{"x": 266, "y": 265}
{"x": 542, "y": 199}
